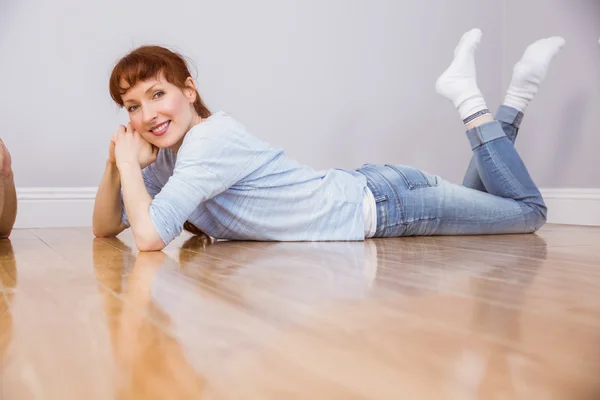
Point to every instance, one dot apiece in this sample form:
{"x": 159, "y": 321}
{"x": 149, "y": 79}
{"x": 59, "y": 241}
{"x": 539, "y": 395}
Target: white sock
{"x": 530, "y": 71}
{"x": 459, "y": 83}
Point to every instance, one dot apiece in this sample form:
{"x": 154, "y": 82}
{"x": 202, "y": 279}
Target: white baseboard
{"x": 573, "y": 206}
{"x": 64, "y": 207}
{"x": 54, "y": 207}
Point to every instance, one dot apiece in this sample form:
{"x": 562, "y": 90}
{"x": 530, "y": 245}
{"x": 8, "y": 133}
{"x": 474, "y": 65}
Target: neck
{"x": 195, "y": 121}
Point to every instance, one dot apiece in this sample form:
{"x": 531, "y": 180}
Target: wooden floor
{"x": 501, "y": 317}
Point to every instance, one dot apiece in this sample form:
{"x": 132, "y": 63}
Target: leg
{"x": 411, "y": 202}
{"x": 500, "y": 168}
{"x": 510, "y": 120}
{"x": 498, "y": 165}
{"x": 527, "y": 76}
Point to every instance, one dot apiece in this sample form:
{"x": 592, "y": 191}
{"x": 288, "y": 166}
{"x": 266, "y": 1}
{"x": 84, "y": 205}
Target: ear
{"x": 190, "y": 90}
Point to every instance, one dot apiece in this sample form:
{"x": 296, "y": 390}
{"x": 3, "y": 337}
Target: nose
{"x": 149, "y": 114}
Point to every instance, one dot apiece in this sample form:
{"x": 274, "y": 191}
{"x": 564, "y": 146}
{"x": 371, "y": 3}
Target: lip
{"x": 162, "y": 131}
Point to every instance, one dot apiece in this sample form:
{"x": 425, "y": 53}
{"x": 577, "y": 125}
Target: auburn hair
{"x": 147, "y": 62}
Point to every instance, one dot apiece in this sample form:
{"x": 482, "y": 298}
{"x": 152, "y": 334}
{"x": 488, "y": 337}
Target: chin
{"x": 166, "y": 141}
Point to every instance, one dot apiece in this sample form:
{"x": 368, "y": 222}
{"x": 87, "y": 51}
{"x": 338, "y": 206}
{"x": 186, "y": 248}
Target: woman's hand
{"x": 131, "y": 148}
{"x": 111, "y": 146}
{"x": 5, "y": 160}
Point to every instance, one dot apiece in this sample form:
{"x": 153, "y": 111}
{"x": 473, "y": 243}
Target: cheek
{"x": 177, "y": 107}
{"x": 136, "y": 121}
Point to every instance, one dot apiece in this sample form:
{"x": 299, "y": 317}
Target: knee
{"x": 537, "y": 217}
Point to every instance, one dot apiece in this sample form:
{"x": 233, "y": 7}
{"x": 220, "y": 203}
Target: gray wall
{"x": 336, "y": 83}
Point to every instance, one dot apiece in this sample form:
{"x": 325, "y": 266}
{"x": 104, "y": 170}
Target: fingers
{"x": 133, "y": 131}
{"x": 123, "y": 129}
{"x": 120, "y": 131}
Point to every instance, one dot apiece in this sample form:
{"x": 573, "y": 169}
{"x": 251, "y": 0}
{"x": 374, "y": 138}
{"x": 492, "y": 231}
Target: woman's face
{"x": 160, "y": 111}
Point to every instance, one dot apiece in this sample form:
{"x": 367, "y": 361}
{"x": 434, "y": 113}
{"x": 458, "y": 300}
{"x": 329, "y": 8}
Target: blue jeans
{"x": 497, "y": 196}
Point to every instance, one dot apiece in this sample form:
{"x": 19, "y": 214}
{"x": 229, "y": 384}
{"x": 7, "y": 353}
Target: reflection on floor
{"x": 500, "y": 317}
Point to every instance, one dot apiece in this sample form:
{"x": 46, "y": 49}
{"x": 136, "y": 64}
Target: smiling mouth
{"x": 160, "y": 129}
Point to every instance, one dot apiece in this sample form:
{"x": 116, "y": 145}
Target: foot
{"x": 530, "y": 71}
{"x": 459, "y": 83}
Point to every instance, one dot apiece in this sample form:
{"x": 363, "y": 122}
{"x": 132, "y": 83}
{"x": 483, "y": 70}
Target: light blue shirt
{"x": 232, "y": 185}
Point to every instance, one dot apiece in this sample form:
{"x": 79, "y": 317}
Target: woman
{"x": 178, "y": 164}
{"x": 8, "y": 195}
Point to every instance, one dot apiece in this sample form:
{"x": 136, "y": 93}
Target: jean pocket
{"x": 414, "y": 178}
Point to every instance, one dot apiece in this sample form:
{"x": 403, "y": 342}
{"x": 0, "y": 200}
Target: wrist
{"x": 144, "y": 165}
{"x": 112, "y": 174}
{"x": 128, "y": 166}
{"x": 111, "y": 169}
{"x": 110, "y": 164}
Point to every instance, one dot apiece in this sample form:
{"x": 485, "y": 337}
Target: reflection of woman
{"x": 151, "y": 363}
{"x": 297, "y": 274}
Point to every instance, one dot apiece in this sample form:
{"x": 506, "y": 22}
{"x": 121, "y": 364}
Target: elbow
{"x": 144, "y": 246}
{"x": 149, "y": 243}
{"x": 107, "y": 230}
{"x": 102, "y": 233}
{"x": 6, "y": 229}
{"x": 98, "y": 233}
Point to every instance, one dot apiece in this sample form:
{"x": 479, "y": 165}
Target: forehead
{"x": 140, "y": 87}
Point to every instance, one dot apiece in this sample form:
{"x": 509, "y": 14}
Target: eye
{"x": 132, "y": 108}
{"x": 159, "y": 94}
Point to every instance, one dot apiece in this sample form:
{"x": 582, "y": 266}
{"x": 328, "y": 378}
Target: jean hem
{"x": 485, "y": 133}
{"x": 510, "y": 115}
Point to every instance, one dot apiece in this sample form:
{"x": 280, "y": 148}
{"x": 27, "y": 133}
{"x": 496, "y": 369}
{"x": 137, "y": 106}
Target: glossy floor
{"x": 416, "y": 318}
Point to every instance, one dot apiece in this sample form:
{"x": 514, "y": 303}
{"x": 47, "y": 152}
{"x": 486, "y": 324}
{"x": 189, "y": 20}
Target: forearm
{"x": 8, "y": 208}
{"x": 107, "y": 207}
{"x": 137, "y": 204}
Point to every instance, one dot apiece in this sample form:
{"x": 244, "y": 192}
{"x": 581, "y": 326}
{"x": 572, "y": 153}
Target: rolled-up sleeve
{"x": 208, "y": 164}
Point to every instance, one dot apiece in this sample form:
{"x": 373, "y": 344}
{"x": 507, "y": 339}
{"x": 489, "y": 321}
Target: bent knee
{"x": 537, "y": 217}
